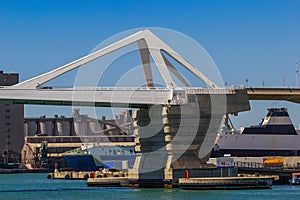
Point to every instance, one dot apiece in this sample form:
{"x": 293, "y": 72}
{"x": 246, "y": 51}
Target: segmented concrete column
{"x": 172, "y": 139}
{"x": 167, "y": 139}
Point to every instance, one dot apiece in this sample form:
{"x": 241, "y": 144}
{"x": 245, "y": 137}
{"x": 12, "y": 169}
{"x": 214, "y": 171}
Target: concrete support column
{"x": 172, "y": 139}
{"x": 151, "y": 154}
{"x": 169, "y": 138}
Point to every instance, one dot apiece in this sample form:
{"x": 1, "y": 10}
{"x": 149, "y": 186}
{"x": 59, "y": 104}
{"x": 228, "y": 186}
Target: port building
{"x": 11, "y": 124}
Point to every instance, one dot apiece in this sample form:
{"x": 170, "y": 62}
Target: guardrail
{"x": 79, "y": 139}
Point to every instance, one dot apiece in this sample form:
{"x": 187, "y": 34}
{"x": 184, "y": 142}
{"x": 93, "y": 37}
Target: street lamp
{"x": 297, "y": 71}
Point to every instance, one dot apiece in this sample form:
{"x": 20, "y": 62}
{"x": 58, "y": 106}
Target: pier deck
{"x": 108, "y": 182}
{"x": 264, "y": 182}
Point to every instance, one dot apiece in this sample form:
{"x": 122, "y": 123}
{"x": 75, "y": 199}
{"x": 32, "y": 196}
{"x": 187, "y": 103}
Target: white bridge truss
{"x": 31, "y": 92}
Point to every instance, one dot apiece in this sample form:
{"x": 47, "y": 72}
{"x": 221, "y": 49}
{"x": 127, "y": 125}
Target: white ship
{"x": 274, "y": 136}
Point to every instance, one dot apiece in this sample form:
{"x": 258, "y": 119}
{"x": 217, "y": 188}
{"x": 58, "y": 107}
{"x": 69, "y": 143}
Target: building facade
{"x": 11, "y": 124}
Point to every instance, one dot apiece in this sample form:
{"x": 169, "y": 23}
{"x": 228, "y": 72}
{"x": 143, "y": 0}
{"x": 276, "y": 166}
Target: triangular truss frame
{"x": 148, "y": 44}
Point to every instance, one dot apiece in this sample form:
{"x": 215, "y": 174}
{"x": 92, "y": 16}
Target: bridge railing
{"x": 110, "y": 88}
{"x": 79, "y": 139}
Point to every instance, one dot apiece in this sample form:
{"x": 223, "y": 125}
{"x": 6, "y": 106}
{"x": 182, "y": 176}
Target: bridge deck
{"x": 104, "y": 97}
{"x": 287, "y": 94}
{"x": 131, "y": 97}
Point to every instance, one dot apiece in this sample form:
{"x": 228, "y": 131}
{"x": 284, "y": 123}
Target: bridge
{"x": 286, "y": 94}
{"x": 32, "y": 91}
{"x": 130, "y": 96}
{"x": 179, "y": 134}
{"x": 105, "y": 96}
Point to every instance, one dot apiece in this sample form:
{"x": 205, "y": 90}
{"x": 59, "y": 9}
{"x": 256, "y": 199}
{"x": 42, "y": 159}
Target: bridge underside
{"x": 286, "y": 94}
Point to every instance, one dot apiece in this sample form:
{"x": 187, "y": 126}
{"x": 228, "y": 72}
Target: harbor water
{"x": 37, "y": 186}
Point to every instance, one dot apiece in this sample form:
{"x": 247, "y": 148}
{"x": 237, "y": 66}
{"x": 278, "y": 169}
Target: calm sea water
{"x": 36, "y": 186}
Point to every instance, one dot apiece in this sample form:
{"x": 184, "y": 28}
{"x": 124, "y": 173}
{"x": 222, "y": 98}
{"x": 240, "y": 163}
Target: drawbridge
{"x": 32, "y": 91}
{"x": 175, "y": 127}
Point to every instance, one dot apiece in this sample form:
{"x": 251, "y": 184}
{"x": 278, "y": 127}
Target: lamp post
{"x": 297, "y": 71}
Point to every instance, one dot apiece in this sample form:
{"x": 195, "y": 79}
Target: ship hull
{"x": 243, "y": 145}
{"x": 96, "y": 157}
{"x": 82, "y": 163}
{"x": 275, "y": 136}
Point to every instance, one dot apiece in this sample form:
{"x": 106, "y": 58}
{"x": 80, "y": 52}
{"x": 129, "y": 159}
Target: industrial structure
{"x": 46, "y": 139}
{"x": 11, "y": 124}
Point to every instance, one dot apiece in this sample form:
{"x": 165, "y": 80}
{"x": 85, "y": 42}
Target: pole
{"x": 297, "y": 71}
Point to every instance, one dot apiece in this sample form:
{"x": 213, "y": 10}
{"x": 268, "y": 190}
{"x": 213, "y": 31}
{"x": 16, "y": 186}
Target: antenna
{"x": 297, "y": 71}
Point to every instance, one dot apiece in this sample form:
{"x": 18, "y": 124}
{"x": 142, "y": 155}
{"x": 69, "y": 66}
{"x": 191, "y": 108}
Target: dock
{"x": 108, "y": 182}
{"x": 71, "y": 175}
{"x": 201, "y": 179}
{"x": 264, "y": 182}
{"x": 284, "y": 173}
{"x": 213, "y": 183}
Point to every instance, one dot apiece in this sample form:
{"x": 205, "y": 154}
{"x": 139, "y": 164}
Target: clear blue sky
{"x": 254, "y": 40}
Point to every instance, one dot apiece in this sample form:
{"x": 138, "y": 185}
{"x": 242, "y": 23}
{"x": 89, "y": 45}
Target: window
{"x": 7, "y": 110}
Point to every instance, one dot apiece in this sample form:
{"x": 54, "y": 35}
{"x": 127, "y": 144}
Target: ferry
{"x": 274, "y": 136}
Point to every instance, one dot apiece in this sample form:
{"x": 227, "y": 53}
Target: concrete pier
{"x": 213, "y": 183}
{"x": 169, "y": 139}
{"x": 173, "y": 138}
{"x": 226, "y": 183}
{"x": 108, "y": 182}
